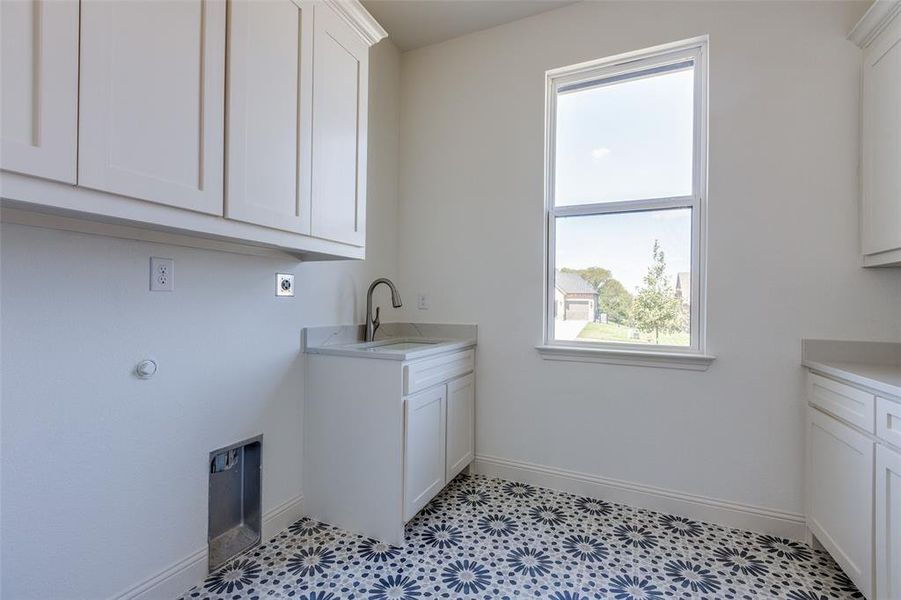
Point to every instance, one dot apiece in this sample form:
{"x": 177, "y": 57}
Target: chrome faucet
{"x": 373, "y": 324}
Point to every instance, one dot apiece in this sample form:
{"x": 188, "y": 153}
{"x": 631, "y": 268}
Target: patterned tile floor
{"x": 487, "y": 538}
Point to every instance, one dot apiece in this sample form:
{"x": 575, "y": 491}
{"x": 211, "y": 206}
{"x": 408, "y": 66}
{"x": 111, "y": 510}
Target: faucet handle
{"x": 375, "y": 321}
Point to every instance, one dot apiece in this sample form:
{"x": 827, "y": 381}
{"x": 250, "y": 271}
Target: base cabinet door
{"x": 460, "y": 424}
{"x": 39, "y": 108}
{"x": 424, "y": 448}
{"x": 270, "y": 97}
{"x": 340, "y": 91}
{"x": 888, "y": 523}
{"x": 840, "y": 495}
{"x": 152, "y": 101}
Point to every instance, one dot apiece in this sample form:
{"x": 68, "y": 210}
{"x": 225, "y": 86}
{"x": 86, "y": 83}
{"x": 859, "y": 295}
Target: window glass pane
{"x": 624, "y": 277}
{"x": 625, "y": 140}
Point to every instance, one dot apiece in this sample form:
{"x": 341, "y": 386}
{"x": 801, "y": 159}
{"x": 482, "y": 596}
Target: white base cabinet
{"x": 440, "y": 436}
{"x": 384, "y": 437}
{"x": 853, "y": 482}
{"x": 425, "y": 435}
{"x": 461, "y": 430}
{"x": 840, "y": 489}
{"x": 888, "y": 522}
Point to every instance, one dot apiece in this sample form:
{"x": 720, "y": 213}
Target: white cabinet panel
{"x": 840, "y": 495}
{"x": 881, "y": 143}
{"x": 424, "y": 448}
{"x": 888, "y": 523}
{"x": 888, "y": 421}
{"x": 151, "y": 121}
{"x": 340, "y": 89}
{"x": 460, "y": 424}
{"x": 39, "y": 111}
{"x": 427, "y": 372}
{"x": 270, "y": 93}
{"x": 854, "y": 406}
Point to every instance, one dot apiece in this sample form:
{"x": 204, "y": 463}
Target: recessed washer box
{"x": 235, "y": 518}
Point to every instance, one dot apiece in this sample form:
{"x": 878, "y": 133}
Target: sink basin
{"x": 395, "y": 346}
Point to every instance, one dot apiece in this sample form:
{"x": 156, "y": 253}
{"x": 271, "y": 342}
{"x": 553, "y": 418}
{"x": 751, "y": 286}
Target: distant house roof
{"x": 683, "y": 286}
{"x": 572, "y": 283}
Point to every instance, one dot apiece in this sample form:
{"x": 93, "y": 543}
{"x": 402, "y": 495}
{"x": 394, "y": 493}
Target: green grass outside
{"x": 613, "y": 332}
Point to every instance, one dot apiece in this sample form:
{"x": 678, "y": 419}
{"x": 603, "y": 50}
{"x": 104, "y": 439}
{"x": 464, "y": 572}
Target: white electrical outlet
{"x": 422, "y": 302}
{"x": 162, "y": 274}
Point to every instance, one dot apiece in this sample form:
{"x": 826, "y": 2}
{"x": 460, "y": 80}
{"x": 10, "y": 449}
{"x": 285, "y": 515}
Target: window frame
{"x": 694, "y": 355}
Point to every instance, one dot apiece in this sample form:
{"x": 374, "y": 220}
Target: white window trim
{"x": 694, "y": 357}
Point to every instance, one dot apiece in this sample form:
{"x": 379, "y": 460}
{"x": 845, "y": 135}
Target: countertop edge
{"x": 868, "y": 381}
{"x": 394, "y": 356}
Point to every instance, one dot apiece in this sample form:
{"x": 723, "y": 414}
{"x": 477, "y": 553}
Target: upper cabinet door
{"x": 39, "y": 113}
{"x": 270, "y": 83}
{"x": 151, "y": 121}
{"x": 340, "y": 90}
{"x": 881, "y": 145}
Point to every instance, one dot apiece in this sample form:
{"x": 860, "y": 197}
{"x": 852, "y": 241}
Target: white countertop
{"x": 882, "y": 378}
{"x": 402, "y": 349}
{"x": 394, "y": 341}
{"x": 874, "y": 365}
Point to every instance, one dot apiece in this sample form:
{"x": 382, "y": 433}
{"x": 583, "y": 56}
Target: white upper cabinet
{"x": 270, "y": 97}
{"x": 151, "y": 121}
{"x": 340, "y": 90}
{"x": 880, "y": 35}
{"x": 39, "y": 114}
{"x": 237, "y": 121}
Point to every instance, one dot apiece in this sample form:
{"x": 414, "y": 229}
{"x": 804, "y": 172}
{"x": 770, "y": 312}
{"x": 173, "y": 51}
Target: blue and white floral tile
{"x": 690, "y": 578}
{"x": 491, "y": 539}
{"x": 444, "y": 541}
{"x": 484, "y": 579}
{"x": 594, "y": 512}
{"x": 631, "y": 585}
{"x": 644, "y": 543}
{"x": 408, "y": 583}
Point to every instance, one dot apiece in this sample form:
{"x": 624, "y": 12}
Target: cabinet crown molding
{"x": 877, "y": 17}
{"x": 359, "y": 19}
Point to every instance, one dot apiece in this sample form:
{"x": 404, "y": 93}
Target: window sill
{"x": 689, "y": 361}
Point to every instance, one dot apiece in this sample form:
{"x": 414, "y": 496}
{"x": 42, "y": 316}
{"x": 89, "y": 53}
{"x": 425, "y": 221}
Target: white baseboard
{"x": 192, "y": 569}
{"x": 712, "y": 510}
{"x": 277, "y": 519}
{"x": 172, "y": 581}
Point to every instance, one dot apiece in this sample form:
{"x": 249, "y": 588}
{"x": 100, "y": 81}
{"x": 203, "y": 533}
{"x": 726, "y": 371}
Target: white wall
{"x": 104, "y": 480}
{"x": 104, "y": 476}
{"x": 783, "y": 258}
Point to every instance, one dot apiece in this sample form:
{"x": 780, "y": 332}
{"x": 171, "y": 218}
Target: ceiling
{"x": 416, "y": 23}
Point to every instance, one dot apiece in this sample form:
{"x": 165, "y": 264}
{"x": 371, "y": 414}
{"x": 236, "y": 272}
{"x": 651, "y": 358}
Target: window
{"x": 625, "y": 203}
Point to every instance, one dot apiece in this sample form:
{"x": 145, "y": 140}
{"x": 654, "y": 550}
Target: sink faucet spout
{"x": 372, "y": 324}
